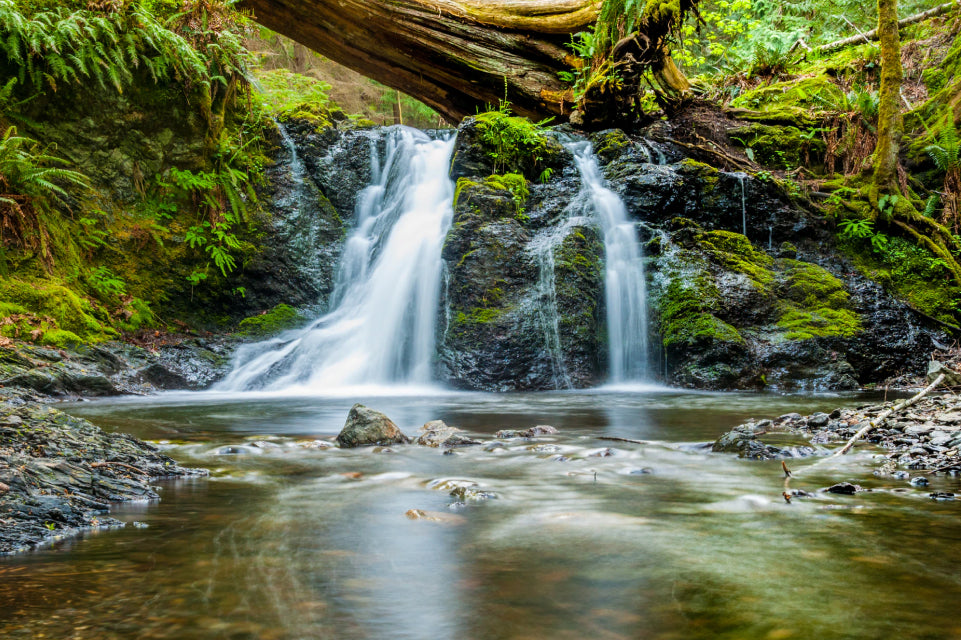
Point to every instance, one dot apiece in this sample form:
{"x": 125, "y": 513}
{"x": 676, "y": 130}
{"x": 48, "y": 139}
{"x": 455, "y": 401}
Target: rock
{"x": 508, "y": 434}
{"x": 495, "y": 446}
{"x": 540, "y": 430}
{"x": 818, "y": 420}
{"x": 918, "y": 481}
{"x": 643, "y": 471}
{"x": 834, "y": 415}
{"x": 919, "y": 429}
{"x": 68, "y": 473}
{"x": 463, "y": 490}
{"x": 845, "y": 488}
{"x": 603, "y": 453}
{"x": 437, "y": 434}
{"x": 951, "y": 377}
{"x": 435, "y": 516}
{"x": 942, "y": 496}
{"x": 366, "y": 427}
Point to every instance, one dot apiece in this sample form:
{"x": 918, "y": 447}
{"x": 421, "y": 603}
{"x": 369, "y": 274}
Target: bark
{"x": 890, "y": 122}
{"x": 455, "y": 56}
{"x": 458, "y": 56}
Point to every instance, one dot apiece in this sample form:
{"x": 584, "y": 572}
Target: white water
{"x": 625, "y": 290}
{"x": 380, "y": 327}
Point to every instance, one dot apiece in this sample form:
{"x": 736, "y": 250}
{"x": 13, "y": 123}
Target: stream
{"x": 662, "y": 540}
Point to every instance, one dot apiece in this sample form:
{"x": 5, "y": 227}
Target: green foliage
{"x": 515, "y": 144}
{"x": 946, "y": 154}
{"x": 107, "y": 283}
{"x": 288, "y": 95}
{"x": 30, "y": 186}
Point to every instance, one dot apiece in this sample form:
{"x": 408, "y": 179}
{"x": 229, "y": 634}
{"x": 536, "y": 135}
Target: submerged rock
{"x": 367, "y": 427}
{"x": 438, "y": 434}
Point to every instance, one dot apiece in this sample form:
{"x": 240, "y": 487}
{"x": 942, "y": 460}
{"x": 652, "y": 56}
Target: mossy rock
{"x": 782, "y": 147}
{"x": 280, "y": 318}
{"x": 58, "y": 313}
{"x": 800, "y": 95}
{"x": 516, "y": 145}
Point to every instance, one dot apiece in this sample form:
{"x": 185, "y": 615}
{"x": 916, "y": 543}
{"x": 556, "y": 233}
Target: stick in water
{"x": 887, "y": 414}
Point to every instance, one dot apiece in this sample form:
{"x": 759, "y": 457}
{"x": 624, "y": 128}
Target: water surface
{"x": 661, "y": 540}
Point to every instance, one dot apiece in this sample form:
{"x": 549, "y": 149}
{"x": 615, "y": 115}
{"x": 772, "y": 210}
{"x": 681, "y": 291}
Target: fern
{"x": 946, "y": 154}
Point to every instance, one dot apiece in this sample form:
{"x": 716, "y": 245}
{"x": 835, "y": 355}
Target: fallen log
{"x": 873, "y": 34}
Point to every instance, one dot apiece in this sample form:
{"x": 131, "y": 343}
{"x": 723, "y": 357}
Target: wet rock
{"x": 437, "y": 434}
{"x": 789, "y": 417}
{"x": 918, "y": 481}
{"x": 544, "y": 448}
{"x": 365, "y": 427}
{"x": 834, "y": 415}
{"x": 603, "y": 453}
{"x": 845, "y": 488}
{"x": 60, "y": 475}
{"x": 643, "y": 471}
{"x": 942, "y": 496}
{"x": 463, "y": 490}
{"x": 435, "y": 516}
{"x": 495, "y": 446}
{"x": 818, "y": 420}
{"x": 540, "y": 430}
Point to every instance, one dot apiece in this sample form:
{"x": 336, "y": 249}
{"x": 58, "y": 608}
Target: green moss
{"x": 783, "y": 147}
{"x": 514, "y": 183}
{"x": 462, "y": 183}
{"x": 814, "y": 303}
{"x": 735, "y": 252}
{"x": 280, "y": 318}
{"x": 478, "y": 315}
{"x": 53, "y": 306}
{"x": 934, "y": 79}
{"x": 800, "y": 324}
{"x": 801, "y": 95}
{"x": 685, "y": 315}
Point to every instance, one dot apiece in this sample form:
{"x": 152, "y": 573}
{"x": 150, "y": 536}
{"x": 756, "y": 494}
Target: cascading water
{"x": 625, "y": 290}
{"x": 381, "y": 323}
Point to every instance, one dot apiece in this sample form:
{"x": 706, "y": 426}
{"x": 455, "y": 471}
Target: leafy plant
{"x": 30, "y": 185}
{"x": 107, "y": 283}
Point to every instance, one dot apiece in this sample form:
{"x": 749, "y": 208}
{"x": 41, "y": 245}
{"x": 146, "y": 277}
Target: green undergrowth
{"x": 516, "y": 145}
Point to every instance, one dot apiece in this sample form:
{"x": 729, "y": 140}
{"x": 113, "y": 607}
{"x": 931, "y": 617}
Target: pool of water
{"x": 658, "y": 540}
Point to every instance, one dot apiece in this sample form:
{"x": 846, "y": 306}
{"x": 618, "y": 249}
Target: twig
{"x": 120, "y": 464}
{"x": 884, "y": 415}
{"x": 616, "y": 439}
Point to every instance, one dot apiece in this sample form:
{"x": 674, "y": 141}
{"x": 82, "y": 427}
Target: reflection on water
{"x": 287, "y": 542}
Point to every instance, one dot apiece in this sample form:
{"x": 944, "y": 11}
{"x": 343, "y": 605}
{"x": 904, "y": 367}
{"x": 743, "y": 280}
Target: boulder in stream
{"x": 437, "y": 433}
{"x": 365, "y": 427}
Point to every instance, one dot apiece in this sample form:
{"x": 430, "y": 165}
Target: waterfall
{"x": 740, "y": 178}
{"x": 625, "y": 290}
{"x": 380, "y": 326}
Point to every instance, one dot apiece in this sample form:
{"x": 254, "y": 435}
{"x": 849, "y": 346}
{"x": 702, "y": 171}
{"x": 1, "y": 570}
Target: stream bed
{"x": 564, "y": 536}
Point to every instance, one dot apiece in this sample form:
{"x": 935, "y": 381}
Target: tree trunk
{"x": 454, "y": 55}
{"x": 890, "y": 122}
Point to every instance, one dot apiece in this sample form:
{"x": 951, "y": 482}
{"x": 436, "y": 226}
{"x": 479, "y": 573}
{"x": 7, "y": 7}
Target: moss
{"x": 686, "y": 319}
{"x": 934, "y": 79}
{"x": 478, "y": 315}
{"x": 609, "y": 144}
{"x": 735, "y": 252}
{"x": 783, "y": 147}
{"x": 280, "y": 318}
{"x": 462, "y": 183}
{"x": 911, "y": 273}
{"x": 812, "y": 92}
{"x": 514, "y": 183}
{"x": 53, "y": 306}
{"x": 800, "y": 324}
{"x": 814, "y": 303}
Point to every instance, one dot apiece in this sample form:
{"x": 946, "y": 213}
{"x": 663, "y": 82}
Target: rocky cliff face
{"x": 747, "y": 288}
